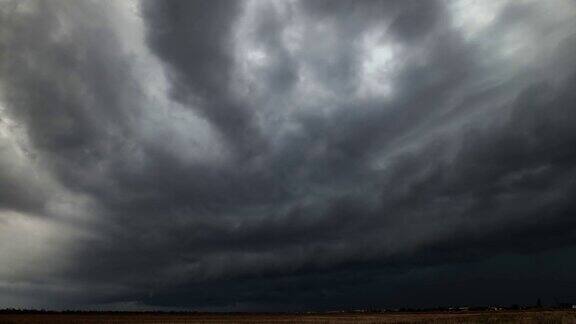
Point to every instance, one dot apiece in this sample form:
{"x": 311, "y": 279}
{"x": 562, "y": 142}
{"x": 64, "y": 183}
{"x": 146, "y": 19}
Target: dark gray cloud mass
{"x": 286, "y": 155}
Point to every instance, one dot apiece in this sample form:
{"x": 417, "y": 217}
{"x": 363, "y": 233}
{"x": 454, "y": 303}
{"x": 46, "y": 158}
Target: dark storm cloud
{"x": 194, "y": 40}
{"x": 280, "y": 155}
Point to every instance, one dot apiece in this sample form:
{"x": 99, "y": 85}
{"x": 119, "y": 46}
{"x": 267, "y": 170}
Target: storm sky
{"x": 286, "y": 155}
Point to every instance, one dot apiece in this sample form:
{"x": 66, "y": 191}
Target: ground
{"x": 551, "y": 316}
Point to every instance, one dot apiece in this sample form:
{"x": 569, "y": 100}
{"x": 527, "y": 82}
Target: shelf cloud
{"x": 285, "y": 155}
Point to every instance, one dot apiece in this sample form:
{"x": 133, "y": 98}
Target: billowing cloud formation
{"x": 282, "y": 154}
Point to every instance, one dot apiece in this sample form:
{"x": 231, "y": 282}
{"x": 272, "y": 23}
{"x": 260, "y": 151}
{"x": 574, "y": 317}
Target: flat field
{"x": 553, "y": 316}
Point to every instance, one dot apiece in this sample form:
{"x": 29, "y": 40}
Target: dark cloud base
{"x": 239, "y": 155}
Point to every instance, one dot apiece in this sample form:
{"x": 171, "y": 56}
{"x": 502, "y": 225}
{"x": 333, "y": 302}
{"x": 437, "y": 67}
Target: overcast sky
{"x": 287, "y": 155}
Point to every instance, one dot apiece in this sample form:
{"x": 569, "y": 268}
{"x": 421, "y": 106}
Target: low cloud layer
{"x": 251, "y": 155}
